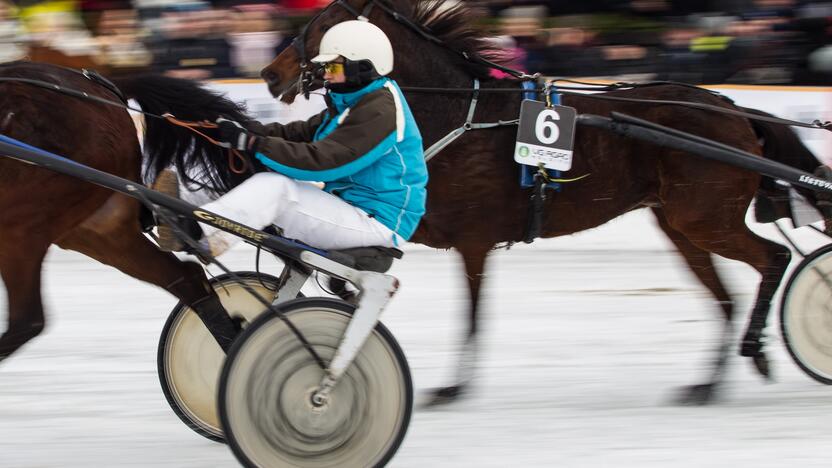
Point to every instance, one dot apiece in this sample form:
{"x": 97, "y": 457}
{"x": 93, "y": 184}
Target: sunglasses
{"x": 334, "y": 67}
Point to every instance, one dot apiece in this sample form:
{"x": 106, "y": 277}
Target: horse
{"x": 39, "y": 207}
{"x": 475, "y": 202}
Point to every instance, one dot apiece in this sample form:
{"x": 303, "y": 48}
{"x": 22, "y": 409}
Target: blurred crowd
{"x": 695, "y": 41}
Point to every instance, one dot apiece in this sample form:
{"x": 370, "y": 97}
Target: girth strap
{"x": 468, "y": 125}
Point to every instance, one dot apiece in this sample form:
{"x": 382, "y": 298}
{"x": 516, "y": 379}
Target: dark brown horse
{"x": 475, "y": 201}
{"x": 39, "y": 207}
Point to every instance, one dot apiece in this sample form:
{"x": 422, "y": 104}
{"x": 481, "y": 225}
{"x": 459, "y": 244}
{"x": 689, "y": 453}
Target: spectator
{"x": 120, "y": 39}
{"x": 12, "y": 36}
{"x": 253, "y": 38}
{"x": 192, "y": 44}
{"x": 92, "y": 10}
{"x": 507, "y": 53}
{"x": 566, "y": 52}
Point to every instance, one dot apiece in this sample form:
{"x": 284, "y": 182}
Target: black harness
{"x": 95, "y": 77}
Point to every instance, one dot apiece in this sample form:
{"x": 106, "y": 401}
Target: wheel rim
{"x": 266, "y": 400}
{"x": 807, "y": 318}
{"x": 192, "y": 360}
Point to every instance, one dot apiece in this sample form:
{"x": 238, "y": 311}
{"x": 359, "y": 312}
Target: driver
{"x": 365, "y": 147}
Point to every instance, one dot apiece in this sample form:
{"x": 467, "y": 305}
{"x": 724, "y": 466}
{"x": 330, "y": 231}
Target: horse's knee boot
{"x": 17, "y": 336}
{"x": 194, "y": 290}
{"x": 752, "y": 345}
{"x": 216, "y": 319}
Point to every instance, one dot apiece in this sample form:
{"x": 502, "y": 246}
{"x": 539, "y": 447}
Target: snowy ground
{"x": 585, "y": 341}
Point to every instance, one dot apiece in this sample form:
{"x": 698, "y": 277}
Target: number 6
{"x": 542, "y": 125}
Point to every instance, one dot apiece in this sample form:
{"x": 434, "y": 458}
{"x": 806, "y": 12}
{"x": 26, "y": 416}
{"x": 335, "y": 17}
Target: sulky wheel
{"x": 806, "y": 315}
{"x": 190, "y": 360}
{"x": 267, "y": 383}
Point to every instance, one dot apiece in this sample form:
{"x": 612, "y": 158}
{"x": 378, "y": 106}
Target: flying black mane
{"x": 455, "y": 27}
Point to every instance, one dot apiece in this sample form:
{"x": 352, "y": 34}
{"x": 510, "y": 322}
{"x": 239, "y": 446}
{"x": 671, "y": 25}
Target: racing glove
{"x": 233, "y": 135}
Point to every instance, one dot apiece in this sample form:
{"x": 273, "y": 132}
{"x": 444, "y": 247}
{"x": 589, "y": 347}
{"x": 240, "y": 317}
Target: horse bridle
{"x": 307, "y": 73}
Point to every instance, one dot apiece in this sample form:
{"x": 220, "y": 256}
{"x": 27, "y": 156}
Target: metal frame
{"x": 375, "y": 289}
{"x": 633, "y": 127}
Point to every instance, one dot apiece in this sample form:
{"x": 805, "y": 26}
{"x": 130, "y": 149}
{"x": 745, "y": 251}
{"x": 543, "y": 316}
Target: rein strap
{"x": 233, "y": 154}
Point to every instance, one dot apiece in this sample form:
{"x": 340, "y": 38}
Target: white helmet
{"x": 357, "y": 40}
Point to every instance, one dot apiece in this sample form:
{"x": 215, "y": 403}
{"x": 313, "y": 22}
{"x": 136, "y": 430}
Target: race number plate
{"x": 545, "y": 135}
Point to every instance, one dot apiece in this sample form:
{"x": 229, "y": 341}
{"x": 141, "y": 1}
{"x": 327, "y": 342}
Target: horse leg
{"x": 113, "y": 237}
{"x": 733, "y": 240}
{"x": 701, "y": 264}
{"x": 473, "y": 257}
{"x": 20, "y": 267}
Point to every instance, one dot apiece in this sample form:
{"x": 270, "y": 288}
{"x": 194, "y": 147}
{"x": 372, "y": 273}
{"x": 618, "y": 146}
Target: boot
{"x": 168, "y": 183}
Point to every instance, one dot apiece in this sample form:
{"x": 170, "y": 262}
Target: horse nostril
{"x": 269, "y": 76}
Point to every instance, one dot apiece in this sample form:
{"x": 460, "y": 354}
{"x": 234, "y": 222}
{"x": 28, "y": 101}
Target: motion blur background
{"x": 696, "y": 41}
{"x": 586, "y": 336}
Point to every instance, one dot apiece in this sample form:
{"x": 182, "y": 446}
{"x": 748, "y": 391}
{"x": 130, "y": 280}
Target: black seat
{"x": 378, "y": 259}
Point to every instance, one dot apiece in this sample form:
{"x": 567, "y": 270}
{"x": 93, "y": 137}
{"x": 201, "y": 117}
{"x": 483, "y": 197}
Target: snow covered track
{"x": 582, "y": 353}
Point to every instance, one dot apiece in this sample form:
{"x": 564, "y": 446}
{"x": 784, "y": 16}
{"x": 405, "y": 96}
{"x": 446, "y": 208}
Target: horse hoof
{"x": 697, "y": 395}
{"x": 444, "y": 395}
{"x": 762, "y": 365}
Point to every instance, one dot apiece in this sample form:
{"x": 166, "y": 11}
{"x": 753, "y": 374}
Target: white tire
{"x": 806, "y": 315}
{"x": 189, "y": 360}
{"x": 269, "y": 377}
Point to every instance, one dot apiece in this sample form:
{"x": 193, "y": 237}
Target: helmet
{"x": 357, "y": 40}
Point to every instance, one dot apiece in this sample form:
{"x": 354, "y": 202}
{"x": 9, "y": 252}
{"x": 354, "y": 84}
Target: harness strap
{"x": 96, "y": 77}
{"x": 233, "y": 154}
{"x": 236, "y": 161}
{"x": 468, "y": 125}
{"x": 473, "y": 107}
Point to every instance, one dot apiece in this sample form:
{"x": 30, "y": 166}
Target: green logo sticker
{"x": 523, "y": 151}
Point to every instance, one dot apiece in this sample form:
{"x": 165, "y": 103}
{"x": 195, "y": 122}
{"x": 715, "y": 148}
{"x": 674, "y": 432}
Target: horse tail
{"x": 782, "y": 144}
{"x": 198, "y": 161}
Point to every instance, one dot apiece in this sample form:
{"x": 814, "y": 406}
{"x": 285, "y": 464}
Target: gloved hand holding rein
{"x": 233, "y": 135}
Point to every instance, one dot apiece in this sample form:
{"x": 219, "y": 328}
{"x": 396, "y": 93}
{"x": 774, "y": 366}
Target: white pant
{"x": 302, "y": 210}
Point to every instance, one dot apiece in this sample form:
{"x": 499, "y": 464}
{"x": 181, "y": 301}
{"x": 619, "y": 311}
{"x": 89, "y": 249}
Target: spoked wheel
{"x": 806, "y": 315}
{"x": 189, "y": 360}
{"x": 269, "y": 377}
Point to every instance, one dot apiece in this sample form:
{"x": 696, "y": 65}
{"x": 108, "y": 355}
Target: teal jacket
{"x": 365, "y": 147}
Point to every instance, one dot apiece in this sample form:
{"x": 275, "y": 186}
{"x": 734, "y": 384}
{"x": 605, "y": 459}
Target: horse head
{"x": 414, "y": 29}
{"x": 291, "y": 72}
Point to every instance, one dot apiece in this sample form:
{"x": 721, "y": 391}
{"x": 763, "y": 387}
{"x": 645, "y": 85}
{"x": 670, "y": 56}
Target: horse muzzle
{"x": 274, "y": 82}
